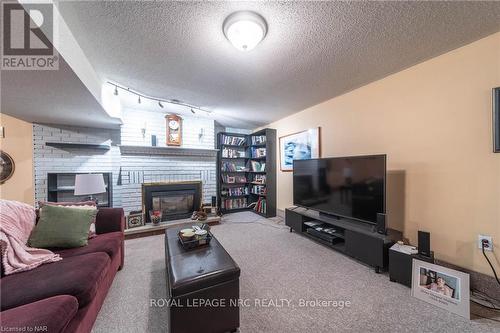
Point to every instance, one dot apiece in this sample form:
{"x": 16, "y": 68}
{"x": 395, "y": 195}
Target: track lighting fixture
{"x": 160, "y": 101}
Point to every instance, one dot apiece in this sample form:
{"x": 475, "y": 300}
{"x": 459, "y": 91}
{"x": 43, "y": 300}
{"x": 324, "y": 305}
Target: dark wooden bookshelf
{"x": 270, "y": 171}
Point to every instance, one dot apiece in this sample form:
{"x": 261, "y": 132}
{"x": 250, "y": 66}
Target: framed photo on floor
{"x": 440, "y": 286}
{"x": 496, "y": 120}
{"x": 299, "y": 146}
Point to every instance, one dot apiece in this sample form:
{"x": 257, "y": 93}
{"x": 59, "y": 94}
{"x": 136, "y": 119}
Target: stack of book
{"x": 260, "y": 206}
{"x": 231, "y": 167}
{"x": 233, "y": 140}
{"x": 232, "y": 153}
{"x": 234, "y": 203}
{"x": 259, "y": 179}
{"x": 238, "y": 179}
{"x": 235, "y": 191}
{"x": 258, "y": 152}
{"x": 258, "y": 167}
{"x": 259, "y": 189}
{"x": 258, "y": 140}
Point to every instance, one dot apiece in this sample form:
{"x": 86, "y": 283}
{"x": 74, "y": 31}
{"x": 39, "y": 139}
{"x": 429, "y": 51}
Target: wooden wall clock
{"x": 7, "y": 167}
{"x": 174, "y": 130}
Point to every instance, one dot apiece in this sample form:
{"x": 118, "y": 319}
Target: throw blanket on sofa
{"x": 16, "y": 223}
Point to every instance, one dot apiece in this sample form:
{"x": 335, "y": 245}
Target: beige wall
{"x": 433, "y": 121}
{"x": 18, "y": 143}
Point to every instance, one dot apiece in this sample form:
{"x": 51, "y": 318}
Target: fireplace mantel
{"x": 173, "y": 151}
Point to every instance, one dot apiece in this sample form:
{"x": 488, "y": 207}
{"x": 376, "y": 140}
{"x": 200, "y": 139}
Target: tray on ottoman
{"x": 193, "y": 243}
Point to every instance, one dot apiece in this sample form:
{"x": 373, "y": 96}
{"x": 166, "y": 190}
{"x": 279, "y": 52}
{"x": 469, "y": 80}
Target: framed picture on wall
{"x": 299, "y": 146}
{"x": 7, "y": 166}
{"x": 496, "y": 120}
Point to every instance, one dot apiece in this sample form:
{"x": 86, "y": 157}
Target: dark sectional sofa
{"x": 67, "y": 295}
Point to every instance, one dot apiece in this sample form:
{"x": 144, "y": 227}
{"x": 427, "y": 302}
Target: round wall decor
{"x": 7, "y": 167}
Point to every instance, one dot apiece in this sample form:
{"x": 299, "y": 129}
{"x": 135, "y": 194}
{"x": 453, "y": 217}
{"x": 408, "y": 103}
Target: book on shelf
{"x": 261, "y": 206}
{"x": 232, "y": 153}
{"x": 258, "y": 189}
{"x": 233, "y": 140}
{"x": 259, "y": 179}
{"x": 258, "y": 139}
{"x": 234, "y": 203}
{"x": 232, "y": 167}
{"x": 258, "y": 152}
{"x": 234, "y": 191}
{"x": 258, "y": 166}
{"x": 231, "y": 179}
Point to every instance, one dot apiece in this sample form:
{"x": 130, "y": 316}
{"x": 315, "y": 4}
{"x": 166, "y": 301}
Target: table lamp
{"x": 89, "y": 184}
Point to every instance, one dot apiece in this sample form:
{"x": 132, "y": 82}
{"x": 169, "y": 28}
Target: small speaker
{"x": 424, "y": 243}
{"x": 214, "y": 201}
{"x": 381, "y": 223}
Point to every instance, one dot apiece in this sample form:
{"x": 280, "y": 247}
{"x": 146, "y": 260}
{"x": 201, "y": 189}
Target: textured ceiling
{"x": 54, "y": 97}
{"x": 313, "y": 51}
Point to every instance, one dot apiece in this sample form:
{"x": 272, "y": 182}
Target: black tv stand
{"x": 355, "y": 239}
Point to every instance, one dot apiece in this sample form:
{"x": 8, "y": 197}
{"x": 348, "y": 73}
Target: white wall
{"x": 48, "y": 159}
{"x": 197, "y": 132}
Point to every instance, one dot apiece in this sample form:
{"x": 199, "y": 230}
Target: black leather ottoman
{"x": 202, "y": 287}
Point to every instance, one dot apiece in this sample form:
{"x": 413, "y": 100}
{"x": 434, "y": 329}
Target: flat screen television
{"x": 351, "y": 187}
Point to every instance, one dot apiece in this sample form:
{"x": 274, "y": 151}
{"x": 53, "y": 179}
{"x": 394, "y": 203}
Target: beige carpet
{"x": 276, "y": 264}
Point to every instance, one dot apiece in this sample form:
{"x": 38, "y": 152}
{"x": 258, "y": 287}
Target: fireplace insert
{"x": 175, "y": 200}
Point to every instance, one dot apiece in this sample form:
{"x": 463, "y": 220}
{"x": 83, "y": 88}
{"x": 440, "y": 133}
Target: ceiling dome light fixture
{"x": 245, "y": 29}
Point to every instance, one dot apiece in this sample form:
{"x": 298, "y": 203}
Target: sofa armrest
{"x": 110, "y": 220}
{"x": 47, "y": 315}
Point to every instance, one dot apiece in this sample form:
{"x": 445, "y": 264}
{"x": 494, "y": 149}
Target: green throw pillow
{"x": 62, "y": 227}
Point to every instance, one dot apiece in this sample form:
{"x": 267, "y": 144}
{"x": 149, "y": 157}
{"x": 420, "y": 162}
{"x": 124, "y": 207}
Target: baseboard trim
{"x": 478, "y": 281}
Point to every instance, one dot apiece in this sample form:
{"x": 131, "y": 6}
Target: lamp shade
{"x": 87, "y": 184}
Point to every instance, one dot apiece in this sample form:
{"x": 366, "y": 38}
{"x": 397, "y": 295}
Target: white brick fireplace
{"x": 130, "y": 158}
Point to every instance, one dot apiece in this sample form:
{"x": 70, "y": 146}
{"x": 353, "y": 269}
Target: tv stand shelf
{"x": 355, "y": 239}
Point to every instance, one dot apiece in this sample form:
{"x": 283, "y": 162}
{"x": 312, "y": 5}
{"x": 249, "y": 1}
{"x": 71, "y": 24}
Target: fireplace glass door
{"x": 173, "y": 204}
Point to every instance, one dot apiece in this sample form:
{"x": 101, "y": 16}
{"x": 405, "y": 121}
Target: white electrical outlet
{"x": 488, "y": 246}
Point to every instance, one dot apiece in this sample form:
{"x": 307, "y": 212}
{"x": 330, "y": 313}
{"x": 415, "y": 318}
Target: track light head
{"x": 139, "y": 100}
{"x": 192, "y": 111}
{"x": 161, "y": 105}
{"x": 116, "y": 91}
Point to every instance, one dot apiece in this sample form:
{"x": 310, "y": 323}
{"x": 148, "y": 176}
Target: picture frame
{"x": 441, "y": 286}
{"x": 135, "y": 219}
{"x": 299, "y": 146}
{"x": 7, "y": 166}
{"x": 496, "y": 120}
